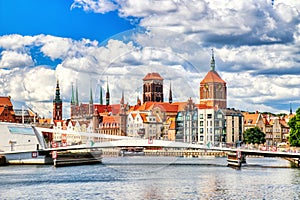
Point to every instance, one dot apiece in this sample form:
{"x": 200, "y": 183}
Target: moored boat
{"x": 234, "y": 159}
{"x": 22, "y": 144}
{"x": 132, "y": 151}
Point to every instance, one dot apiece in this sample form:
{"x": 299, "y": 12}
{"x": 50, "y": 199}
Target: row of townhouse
{"x": 208, "y": 126}
{"x": 276, "y": 128}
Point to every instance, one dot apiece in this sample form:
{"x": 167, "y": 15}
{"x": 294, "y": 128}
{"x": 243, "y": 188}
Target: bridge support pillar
{"x": 243, "y": 159}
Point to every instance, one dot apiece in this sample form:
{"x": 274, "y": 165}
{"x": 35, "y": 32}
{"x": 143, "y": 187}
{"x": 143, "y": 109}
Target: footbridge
{"x": 124, "y": 141}
{"x": 113, "y": 141}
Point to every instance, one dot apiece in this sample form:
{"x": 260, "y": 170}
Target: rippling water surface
{"x": 154, "y": 178}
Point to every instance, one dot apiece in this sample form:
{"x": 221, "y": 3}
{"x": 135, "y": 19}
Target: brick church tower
{"x": 153, "y": 88}
{"x": 57, "y": 104}
{"x": 213, "y": 90}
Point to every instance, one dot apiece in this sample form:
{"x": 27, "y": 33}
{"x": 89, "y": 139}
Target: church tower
{"x": 153, "y": 88}
{"x": 57, "y": 104}
{"x": 213, "y": 90}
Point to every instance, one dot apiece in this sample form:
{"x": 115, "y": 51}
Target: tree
{"x": 294, "y": 123}
{"x": 254, "y": 136}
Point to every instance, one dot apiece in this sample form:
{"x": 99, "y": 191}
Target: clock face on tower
{"x": 220, "y": 87}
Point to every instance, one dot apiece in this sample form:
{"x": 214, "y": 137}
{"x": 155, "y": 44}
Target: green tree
{"x": 254, "y": 136}
{"x": 294, "y": 123}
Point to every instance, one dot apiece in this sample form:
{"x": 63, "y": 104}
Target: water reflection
{"x": 203, "y": 179}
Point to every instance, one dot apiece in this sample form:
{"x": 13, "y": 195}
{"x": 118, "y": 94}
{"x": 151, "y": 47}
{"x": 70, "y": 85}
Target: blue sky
{"x": 55, "y": 17}
{"x": 256, "y": 47}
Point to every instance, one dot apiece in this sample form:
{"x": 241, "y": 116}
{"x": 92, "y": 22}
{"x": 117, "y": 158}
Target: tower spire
{"x": 72, "y": 97}
{"x": 212, "y": 61}
{"x": 122, "y": 98}
{"x": 57, "y": 104}
{"x": 107, "y": 94}
{"x": 91, "y": 96}
{"x": 170, "y": 94}
{"x": 76, "y": 95}
{"x": 101, "y": 98}
{"x": 291, "y": 111}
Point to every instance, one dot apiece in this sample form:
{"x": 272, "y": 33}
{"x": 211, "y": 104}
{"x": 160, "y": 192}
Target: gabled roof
{"x": 165, "y": 106}
{"x": 212, "y": 77}
{"x": 181, "y": 105}
{"x": 251, "y": 119}
{"x": 5, "y": 101}
{"x": 144, "y": 117}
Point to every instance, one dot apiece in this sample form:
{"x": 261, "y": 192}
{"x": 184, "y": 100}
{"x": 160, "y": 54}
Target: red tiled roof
{"x": 5, "y": 101}
{"x": 181, "y": 105}
{"x": 152, "y": 76}
{"x": 109, "y": 119}
{"x": 250, "y": 118}
{"x": 212, "y": 77}
{"x": 1, "y": 110}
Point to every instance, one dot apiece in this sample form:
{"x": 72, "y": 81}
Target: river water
{"x": 154, "y": 178}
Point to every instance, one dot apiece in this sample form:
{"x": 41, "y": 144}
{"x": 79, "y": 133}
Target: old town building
{"x": 7, "y": 113}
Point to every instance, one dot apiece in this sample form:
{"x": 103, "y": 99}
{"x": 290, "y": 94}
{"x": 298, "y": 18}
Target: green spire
{"x": 72, "y": 98}
{"x": 101, "y": 98}
{"x": 76, "y": 100}
{"x": 212, "y": 61}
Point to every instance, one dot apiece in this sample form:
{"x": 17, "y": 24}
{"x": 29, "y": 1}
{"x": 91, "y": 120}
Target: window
{"x": 201, "y": 116}
{"x": 209, "y": 116}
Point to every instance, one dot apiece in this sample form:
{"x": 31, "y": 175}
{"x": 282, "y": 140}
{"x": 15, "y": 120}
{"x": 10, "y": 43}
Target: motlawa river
{"x": 154, "y": 178}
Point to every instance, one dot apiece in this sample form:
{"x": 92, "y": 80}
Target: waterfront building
{"x": 231, "y": 130}
{"x": 275, "y": 128}
{"x": 210, "y": 122}
{"x": 165, "y": 112}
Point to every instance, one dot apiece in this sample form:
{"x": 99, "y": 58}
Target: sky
{"x": 84, "y": 43}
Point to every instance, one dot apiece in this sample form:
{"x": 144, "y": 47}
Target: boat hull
{"x": 30, "y": 158}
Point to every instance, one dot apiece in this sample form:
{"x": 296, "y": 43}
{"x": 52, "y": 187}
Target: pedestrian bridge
{"x": 124, "y": 141}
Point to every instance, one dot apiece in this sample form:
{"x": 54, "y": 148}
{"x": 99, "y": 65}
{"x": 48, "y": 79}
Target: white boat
{"x": 22, "y": 144}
